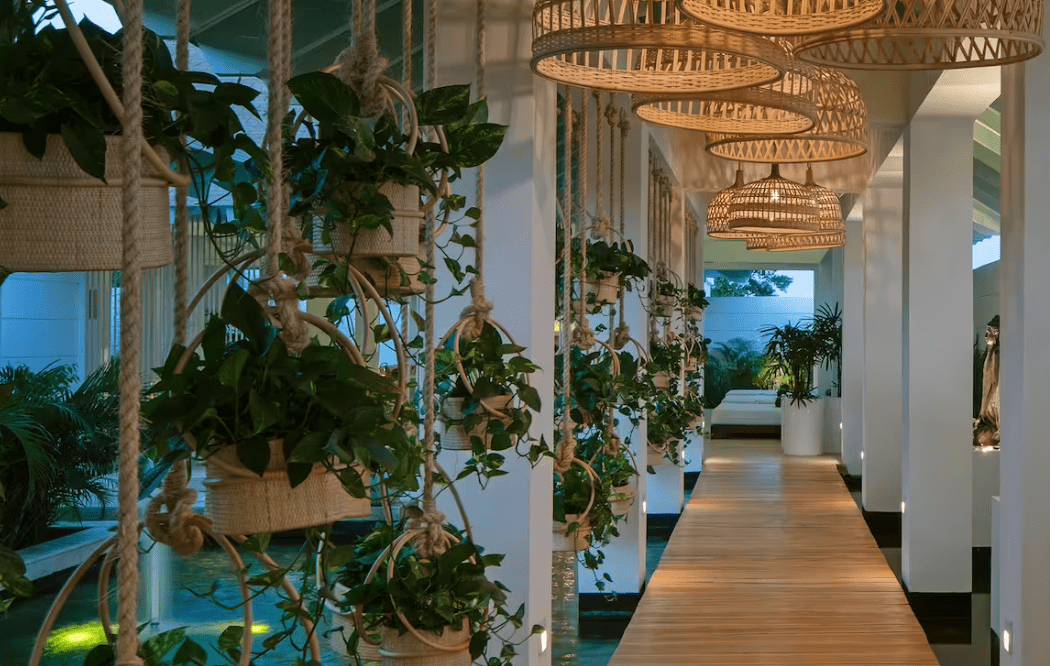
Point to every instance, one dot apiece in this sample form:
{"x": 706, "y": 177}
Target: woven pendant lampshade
{"x": 718, "y": 213}
{"x": 797, "y": 242}
{"x": 774, "y": 205}
{"x": 841, "y": 131}
{"x": 829, "y": 209}
{"x": 777, "y": 17}
{"x": 936, "y": 35}
{"x": 645, "y": 46}
{"x": 787, "y": 106}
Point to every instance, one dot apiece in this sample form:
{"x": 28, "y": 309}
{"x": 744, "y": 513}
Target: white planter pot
{"x": 801, "y": 430}
{"x": 454, "y": 437}
{"x": 622, "y": 507}
{"x": 569, "y": 542}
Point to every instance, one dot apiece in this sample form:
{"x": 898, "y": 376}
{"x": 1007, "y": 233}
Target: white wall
{"x": 746, "y": 316}
{"x": 42, "y": 319}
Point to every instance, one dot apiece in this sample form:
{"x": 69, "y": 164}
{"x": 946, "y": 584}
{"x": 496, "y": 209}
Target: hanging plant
{"x": 56, "y": 128}
{"x": 356, "y": 181}
{"x": 666, "y": 363}
{"x": 667, "y": 424}
{"x": 316, "y": 418}
{"x": 442, "y": 607}
{"x": 609, "y": 266}
{"x": 694, "y": 301}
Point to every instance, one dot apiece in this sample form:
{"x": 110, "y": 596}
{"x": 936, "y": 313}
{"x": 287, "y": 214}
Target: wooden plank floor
{"x": 772, "y": 564}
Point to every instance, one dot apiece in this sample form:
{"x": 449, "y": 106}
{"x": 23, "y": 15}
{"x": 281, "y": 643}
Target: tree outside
{"x": 759, "y": 283}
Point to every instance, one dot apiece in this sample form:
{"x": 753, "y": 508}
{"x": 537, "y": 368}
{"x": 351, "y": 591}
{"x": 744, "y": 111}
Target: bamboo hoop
{"x": 936, "y": 35}
{"x": 841, "y": 131}
{"x": 109, "y": 547}
{"x": 770, "y": 17}
{"x": 644, "y": 46}
{"x": 581, "y": 518}
{"x": 456, "y": 332}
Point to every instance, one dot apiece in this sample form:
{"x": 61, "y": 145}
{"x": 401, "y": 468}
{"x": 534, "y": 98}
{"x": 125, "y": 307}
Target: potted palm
{"x": 289, "y": 441}
{"x": 827, "y": 325}
{"x": 60, "y": 165}
{"x": 792, "y": 352}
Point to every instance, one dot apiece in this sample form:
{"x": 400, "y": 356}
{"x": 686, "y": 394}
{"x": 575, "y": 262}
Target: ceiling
{"x": 232, "y": 36}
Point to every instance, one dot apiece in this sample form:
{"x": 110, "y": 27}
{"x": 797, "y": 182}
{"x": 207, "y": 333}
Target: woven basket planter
{"x": 694, "y": 312}
{"x": 366, "y": 652}
{"x": 245, "y": 503}
{"x": 454, "y": 437}
{"x": 662, "y": 379}
{"x": 403, "y": 242}
{"x": 386, "y": 275}
{"x": 622, "y": 507}
{"x": 566, "y": 542}
{"x": 408, "y": 650}
{"x": 59, "y": 219}
{"x": 606, "y": 290}
{"x": 653, "y": 457}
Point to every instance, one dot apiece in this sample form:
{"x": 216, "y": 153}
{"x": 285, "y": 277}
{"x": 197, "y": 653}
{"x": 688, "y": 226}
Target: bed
{"x": 746, "y": 410}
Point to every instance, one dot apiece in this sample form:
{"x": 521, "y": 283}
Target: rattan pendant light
{"x": 718, "y": 213}
{"x": 777, "y": 17}
{"x": 841, "y": 131}
{"x": 797, "y": 242}
{"x": 829, "y": 209}
{"x": 787, "y": 106}
{"x": 774, "y": 205}
{"x": 645, "y": 46}
{"x": 936, "y": 35}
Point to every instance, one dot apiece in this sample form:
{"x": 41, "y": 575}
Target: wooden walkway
{"x": 772, "y": 564}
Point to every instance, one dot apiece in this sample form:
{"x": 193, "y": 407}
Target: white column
{"x": 695, "y": 444}
{"x": 513, "y": 514}
{"x": 883, "y": 252}
{"x": 625, "y": 555}
{"x": 853, "y": 342}
{"x": 938, "y": 304}
{"x": 1025, "y": 364}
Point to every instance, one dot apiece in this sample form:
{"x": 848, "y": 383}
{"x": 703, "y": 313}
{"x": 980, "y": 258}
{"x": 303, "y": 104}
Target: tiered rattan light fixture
{"x": 777, "y": 17}
{"x": 774, "y": 205}
{"x": 645, "y": 46}
{"x": 832, "y": 228}
{"x": 718, "y": 213}
{"x": 935, "y": 35}
{"x": 841, "y": 131}
{"x": 787, "y": 106}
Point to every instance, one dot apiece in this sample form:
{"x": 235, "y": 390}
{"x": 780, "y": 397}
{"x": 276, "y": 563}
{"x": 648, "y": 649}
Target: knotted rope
{"x": 361, "y": 65}
{"x": 621, "y": 335}
{"x": 130, "y": 342}
{"x": 566, "y": 450}
{"x": 283, "y": 236}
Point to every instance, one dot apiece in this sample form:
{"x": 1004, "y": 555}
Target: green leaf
{"x": 254, "y": 454}
{"x": 325, "y": 97}
{"x": 231, "y": 637}
{"x": 257, "y": 543}
{"x": 309, "y": 449}
{"x": 154, "y": 649}
{"x": 444, "y": 105}
{"x": 87, "y": 145}
{"x": 245, "y": 314}
{"x": 230, "y": 371}
{"x": 298, "y": 472}
{"x": 190, "y": 653}
{"x": 101, "y": 655}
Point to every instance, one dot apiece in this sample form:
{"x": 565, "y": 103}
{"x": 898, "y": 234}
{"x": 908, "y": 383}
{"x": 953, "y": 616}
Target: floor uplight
{"x": 1008, "y": 637}
{"x": 543, "y": 641}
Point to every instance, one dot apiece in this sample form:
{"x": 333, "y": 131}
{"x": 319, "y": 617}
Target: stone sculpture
{"x": 986, "y": 425}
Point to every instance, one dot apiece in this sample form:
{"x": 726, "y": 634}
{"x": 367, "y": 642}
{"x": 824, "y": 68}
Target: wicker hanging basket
{"x": 241, "y": 502}
{"x": 718, "y": 213}
{"x": 394, "y": 278}
{"x": 776, "y": 17}
{"x": 605, "y": 290}
{"x": 622, "y": 506}
{"x": 655, "y": 456}
{"x": 662, "y": 379}
{"x": 401, "y": 241}
{"x": 59, "y": 219}
{"x": 797, "y": 242}
{"x": 409, "y": 650}
{"x": 343, "y": 626}
{"x": 774, "y": 205}
{"x": 841, "y": 131}
{"x": 565, "y": 541}
{"x": 455, "y": 437}
{"x": 936, "y": 35}
{"x": 645, "y": 46}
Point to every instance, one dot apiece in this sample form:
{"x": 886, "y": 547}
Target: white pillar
{"x": 853, "y": 342}
{"x": 883, "y": 252}
{"x": 1025, "y": 364}
{"x": 513, "y": 514}
{"x": 938, "y": 303}
{"x": 625, "y": 555}
{"x": 695, "y": 444}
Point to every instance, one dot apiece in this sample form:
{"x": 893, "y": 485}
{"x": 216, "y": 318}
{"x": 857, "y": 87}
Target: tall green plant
{"x": 794, "y": 350}
{"x": 827, "y": 326}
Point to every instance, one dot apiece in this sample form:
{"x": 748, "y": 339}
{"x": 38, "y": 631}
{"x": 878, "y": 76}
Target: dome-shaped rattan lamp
{"x": 797, "y": 242}
{"x": 774, "y": 205}
{"x": 787, "y": 106}
{"x": 777, "y": 17}
{"x": 645, "y": 46}
{"x": 936, "y": 35}
{"x": 829, "y": 207}
{"x": 841, "y": 131}
{"x": 718, "y": 213}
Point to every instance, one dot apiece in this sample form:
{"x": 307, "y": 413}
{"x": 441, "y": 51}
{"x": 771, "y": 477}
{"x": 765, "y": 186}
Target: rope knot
{"x": 582, "y": 335}
{"x": 612, "y": 448}
{"x": 621, "y": 336}
{"x": 361, "y": 67}
{"x": 565, "y": 454}
{"x": 173, "y": 526}
{"x": 280, "y": 298}
{"x": 478, "y": 311}
{"x": 434, "y": 540}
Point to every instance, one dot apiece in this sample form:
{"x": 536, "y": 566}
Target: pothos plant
{"x": 435, "y": 594}
{"x": 45, "y": 88}
{"x": 605, "y": 259}
{"x": 694, "y": 298}
{"x": 495, "y": 367}
{"x": 668, "y": 422}
{"x": 245, "y": 393}
{"x": 339, "y": 159}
